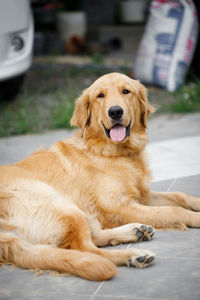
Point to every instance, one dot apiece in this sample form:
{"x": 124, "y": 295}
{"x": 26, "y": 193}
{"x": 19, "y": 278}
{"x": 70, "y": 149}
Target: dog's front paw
{"x": 144, "y": 232}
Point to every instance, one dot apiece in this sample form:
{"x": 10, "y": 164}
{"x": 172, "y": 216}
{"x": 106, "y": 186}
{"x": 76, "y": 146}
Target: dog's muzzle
{"x": 118, "y": 132}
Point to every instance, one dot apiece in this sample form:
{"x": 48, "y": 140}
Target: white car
{"x": 16, "y": 45}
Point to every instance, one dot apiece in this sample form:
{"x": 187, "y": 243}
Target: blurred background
{"x": 50, "y": 50}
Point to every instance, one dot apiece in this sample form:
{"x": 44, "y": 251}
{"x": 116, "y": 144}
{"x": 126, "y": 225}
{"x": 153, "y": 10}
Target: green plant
{"x": 187, "y": 98}
{"x": 62, "y": 110}
{"x": 17, "y": 121}
{"x": 97, "y": 58}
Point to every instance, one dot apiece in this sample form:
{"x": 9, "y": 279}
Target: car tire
{"x": 10, "y": 88}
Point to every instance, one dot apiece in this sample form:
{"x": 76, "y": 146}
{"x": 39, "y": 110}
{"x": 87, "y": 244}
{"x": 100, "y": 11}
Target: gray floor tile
{"x": 121, "y": 246}
{"x": 59, "y": 295}
{"x": 26, "y": 285}
{"x": 190, "y": 185}
{"x": 174, "y": 244}
{"x": 109, "y": 297}
{"x": 168, "y": 279}
{"x": 161, "y": 186}
{"x": 26, "y": 295}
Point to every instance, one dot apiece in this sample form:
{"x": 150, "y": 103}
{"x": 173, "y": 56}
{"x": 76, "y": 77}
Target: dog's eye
{"x": 125, "y": 91}
{"x": 101, "y": 95}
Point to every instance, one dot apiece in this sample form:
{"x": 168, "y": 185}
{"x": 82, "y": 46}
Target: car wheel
{"x": 10, "y": 88}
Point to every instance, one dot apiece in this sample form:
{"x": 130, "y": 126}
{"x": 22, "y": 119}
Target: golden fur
{"x": 58, "y": 205}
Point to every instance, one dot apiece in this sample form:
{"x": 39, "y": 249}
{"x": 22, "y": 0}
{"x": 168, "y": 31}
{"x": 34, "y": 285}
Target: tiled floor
{"x": 174, "y": 276}
{"x": 174, "y": 158}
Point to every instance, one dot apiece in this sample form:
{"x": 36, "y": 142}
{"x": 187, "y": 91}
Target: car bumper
{"x": 12, "y": 62}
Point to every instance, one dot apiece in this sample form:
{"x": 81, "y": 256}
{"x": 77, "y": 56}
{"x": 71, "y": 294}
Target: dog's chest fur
{"x": 97, "y": 183}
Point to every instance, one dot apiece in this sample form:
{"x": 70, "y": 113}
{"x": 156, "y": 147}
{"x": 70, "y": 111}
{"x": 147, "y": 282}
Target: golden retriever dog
{"x": 58, "y": 205}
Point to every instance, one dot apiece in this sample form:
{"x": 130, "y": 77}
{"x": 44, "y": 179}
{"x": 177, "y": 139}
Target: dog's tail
{"x": 45, "y": 257}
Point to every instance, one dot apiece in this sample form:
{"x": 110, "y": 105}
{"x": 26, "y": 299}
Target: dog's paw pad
{"x": 139, "y": 234}
{"x": 143, "y": 227}
{"x": 150, "y": 229}
{"x": 150, "y": 259}
{"x": 144, "y": 232}
{"x": 142, "y": 261}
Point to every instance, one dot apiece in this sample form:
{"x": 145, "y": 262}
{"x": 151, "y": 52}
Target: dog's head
{"x": 112, "y": 110}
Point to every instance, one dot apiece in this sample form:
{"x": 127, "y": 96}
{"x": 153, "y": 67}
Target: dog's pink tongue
{"x": 118, "y": 133}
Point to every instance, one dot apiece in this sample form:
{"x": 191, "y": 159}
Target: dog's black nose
{"x": 115, "y": 112}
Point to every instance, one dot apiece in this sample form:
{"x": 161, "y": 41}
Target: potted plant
{"x": 71, "y": 19}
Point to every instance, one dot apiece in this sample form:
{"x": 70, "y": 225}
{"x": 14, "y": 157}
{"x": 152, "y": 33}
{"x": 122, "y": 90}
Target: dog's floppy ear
{"x": 146, "y": 108}
{"x": 81, "y": 116}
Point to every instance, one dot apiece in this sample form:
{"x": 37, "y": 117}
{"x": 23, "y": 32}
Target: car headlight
{"x": 17, "y": 43}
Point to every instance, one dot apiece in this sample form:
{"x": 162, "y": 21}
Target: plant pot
{"x": 70, "y": 24}
{"x": 133, "y": 10}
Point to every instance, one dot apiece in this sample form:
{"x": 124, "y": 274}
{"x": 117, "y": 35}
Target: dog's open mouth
{"x": 118, "y": 132}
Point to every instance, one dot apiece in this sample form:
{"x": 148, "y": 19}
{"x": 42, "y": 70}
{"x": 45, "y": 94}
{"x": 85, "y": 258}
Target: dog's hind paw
{"x": 144, "y": 259}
